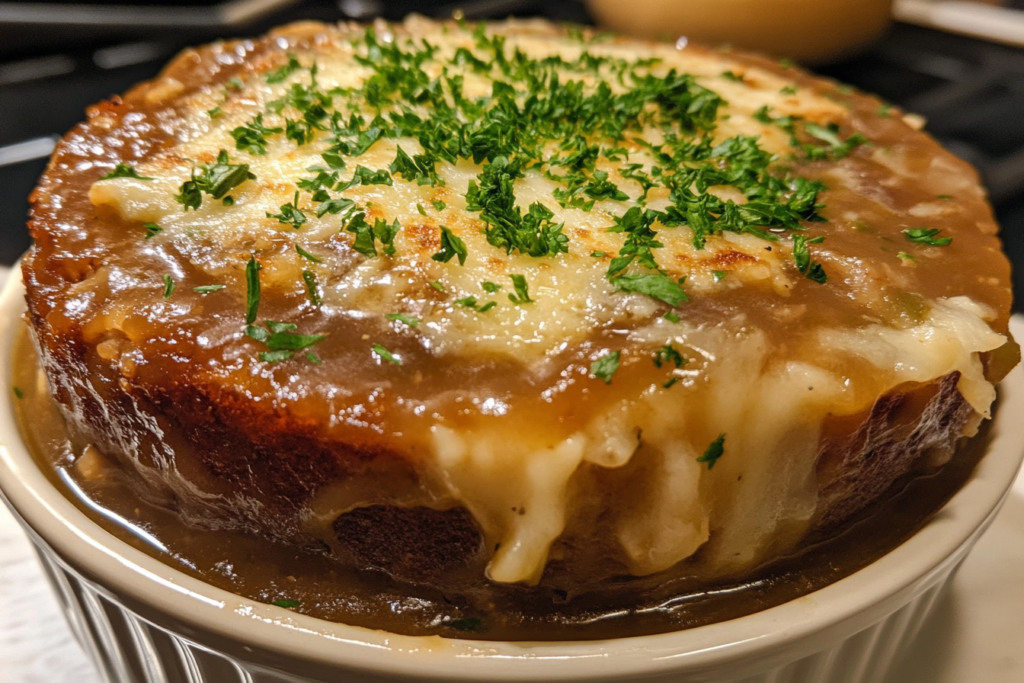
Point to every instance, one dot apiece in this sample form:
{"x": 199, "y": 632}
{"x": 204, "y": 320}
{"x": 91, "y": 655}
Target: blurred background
{"x": 959, "y": 64}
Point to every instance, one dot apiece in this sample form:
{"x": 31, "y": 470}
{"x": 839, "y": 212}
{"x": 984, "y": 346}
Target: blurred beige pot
{"x": 811, "y": 31}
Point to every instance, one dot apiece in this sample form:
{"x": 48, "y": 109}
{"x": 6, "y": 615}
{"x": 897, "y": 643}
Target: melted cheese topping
{"x": 570, "y": 292}
{"x": 521, "y": 485}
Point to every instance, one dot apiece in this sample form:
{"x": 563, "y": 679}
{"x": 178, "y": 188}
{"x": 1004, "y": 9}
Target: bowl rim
{"x": 783, "y": 633}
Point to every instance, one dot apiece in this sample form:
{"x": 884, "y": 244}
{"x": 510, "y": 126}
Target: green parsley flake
{"x": 713, "y": 452}
{"x": 906, "y": 257}
{"x": 810, "y": 269}
{"x": 439, "y": 205}
{"x": 313, "y": 358}
{"x": 252, "y": 137}
{"x": 384, "y": 354}
{"x": 306, "y": 255}
{"x": 125, "y": 171}
{"x": 281, "y": 340}
{"x": 671, "y": 317}
{"x": 522, "y": 295}
{"x": 281, "y": 74}
{"x": 206, "y": 289}
{"x": 312, "y": 290}
{"x": 927, "y": 236}
{"x": 604, "y": 367}
{"x": 438, "y": 286}
{"x": 668, "y": 354}
{"x": 215, "y": 180}
{"x": 151, "y": 229}
{"x": 470, "y": 302}
{"x": 18, "y": 393}
{"x": 290, "y": 213}
{"x": 490, "y": 287}
{"x": 287, "y": 604}
{"x": 403, "y": 318}
{"x": 168, "y": 287}
{"x": 252, "y": 294}
{"x": 451, "y": 246}
{"x": 598, "y": 254}
{"x": 215, "y": 112}
{"x": 654, "y": 285}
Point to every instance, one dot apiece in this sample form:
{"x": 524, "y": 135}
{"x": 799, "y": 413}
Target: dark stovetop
{"x": 970, "y": 91}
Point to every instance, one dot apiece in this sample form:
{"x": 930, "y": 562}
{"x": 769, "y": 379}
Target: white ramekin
{"x": 142, "y": 620}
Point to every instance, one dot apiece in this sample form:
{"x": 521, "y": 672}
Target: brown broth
{"x": 262, "y": 570}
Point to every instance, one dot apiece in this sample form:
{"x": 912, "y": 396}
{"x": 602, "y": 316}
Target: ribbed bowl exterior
{"x": 127, "y": 648}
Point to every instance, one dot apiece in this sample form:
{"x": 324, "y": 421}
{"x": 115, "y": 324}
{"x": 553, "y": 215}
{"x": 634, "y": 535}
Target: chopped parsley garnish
{"x": 719, "y": 275}
{"x": 604, "y": 367}
{"x": 788, "y": 90}
{"x": 168, "y": 287}
{"x": 905, "y": 256}
{"x": 668, "y": 354}
{"x": 490, "y": 287}
{"x": 252, "y": 137}
{"x": 522, "y": 295}
{"x": 287, "y": 604}
{"x": 470, "y": 302}
{"x": 306, "y": 255}
{"x": 451, "y": 246}
{"x": 18, "y": 393}
{"x": 438, "y": 286}
{"x": 602, "y": 188}
{"x": 364, "y": 176}
{"x": 439, "y": 205}
{"x": 384, "y": 354}
{"x": 419, "y": 168}
{"x": 404, "y": 319}
{"x": 671, "y": 317}
{"x": 281, "y": 339}
{"x": 151, "y": 229}
{"x": 206, "y": 289}
{"x": 808, "y": 267}
{"x": 124, "y": 171}
{"x": 655, "y": 285}
{"x": 215, "y": 112}
{"x": 279, "y": 75}
{"x": 290, "y": 213}
{"x": 215, "y": 180}
{"x": 598, "y": 254}
{"x": 830, "y": 135}
{"x": 312, "y": 290}
{"x": 927, "y": 236}
{"x": 713, "y": 452}
{"x": 252, "y": 293}
{"x": 732, "y": 76}
{"x": 313, "y": 358}
{"x": 507, "y": 228}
